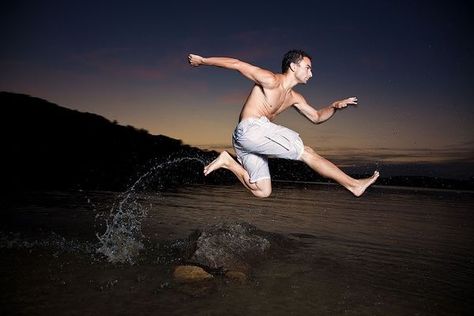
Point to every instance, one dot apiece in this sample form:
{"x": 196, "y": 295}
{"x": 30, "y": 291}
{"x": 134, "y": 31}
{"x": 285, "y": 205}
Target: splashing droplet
{"x": 122, "y": 240}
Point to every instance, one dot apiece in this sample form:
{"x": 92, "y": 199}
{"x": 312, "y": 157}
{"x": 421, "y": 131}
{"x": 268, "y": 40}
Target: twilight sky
{"x": 410, "y": 63}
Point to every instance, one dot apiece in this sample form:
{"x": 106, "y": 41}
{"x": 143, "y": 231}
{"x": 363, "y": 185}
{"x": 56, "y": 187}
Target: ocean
{"x": 394, "y": 251}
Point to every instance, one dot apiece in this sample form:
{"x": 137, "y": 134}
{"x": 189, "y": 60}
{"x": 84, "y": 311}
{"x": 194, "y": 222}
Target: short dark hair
{"x": 292, "y": 56}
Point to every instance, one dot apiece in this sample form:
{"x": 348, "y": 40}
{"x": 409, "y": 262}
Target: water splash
{"x": 122, "y": 240}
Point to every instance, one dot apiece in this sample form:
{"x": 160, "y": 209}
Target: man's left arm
{"x": 324, "y": 114}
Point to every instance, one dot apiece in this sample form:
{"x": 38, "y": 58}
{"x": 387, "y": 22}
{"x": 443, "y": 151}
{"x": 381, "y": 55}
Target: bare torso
{"x": 267, "y": 102}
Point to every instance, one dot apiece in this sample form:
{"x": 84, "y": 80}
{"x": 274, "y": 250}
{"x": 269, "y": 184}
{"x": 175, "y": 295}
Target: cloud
{"x": 118, "y": 62}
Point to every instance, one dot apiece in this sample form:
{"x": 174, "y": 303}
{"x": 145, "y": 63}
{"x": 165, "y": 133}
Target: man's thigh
{"x": 256, "y": 166}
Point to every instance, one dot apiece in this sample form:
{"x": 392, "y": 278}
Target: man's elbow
{"x": 315, "y": 119}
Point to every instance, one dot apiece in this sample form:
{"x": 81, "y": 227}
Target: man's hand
{"x": 343, "y": 103}
{"x": 195, "y": 60}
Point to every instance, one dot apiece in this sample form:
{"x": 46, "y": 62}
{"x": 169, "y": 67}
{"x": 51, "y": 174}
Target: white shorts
{"x": 255, "y": 140}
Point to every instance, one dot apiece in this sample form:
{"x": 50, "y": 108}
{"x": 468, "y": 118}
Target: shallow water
{"x": 391, "y": 252}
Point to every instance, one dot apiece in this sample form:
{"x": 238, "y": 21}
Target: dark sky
{"x": 410, "y": 63}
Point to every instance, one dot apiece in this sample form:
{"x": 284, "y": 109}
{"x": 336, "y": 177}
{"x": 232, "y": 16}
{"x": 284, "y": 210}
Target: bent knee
{"x": 264, "y": 190}
{"x": 262, "y": 193}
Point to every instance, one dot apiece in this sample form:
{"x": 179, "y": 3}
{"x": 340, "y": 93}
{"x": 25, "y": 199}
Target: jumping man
{"x": 256, "y": 138}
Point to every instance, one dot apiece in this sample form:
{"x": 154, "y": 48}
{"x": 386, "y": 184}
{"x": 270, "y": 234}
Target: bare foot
{"x": 364, "y": 184}
{"x": 220, "y": 162}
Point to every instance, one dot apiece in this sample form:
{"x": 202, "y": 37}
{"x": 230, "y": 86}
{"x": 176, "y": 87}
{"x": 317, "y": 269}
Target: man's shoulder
{"x": 275, "y": 83}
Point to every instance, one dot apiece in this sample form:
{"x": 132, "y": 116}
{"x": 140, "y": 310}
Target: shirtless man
{"x": 256, "y": 138}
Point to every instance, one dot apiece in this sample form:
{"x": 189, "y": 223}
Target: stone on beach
{"x": 228, "y": 247}
{"x": 188, "y": 274}
{"x": 227, "y": 250}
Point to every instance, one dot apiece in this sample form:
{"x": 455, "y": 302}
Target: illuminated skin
{"x": 271, "y": 95}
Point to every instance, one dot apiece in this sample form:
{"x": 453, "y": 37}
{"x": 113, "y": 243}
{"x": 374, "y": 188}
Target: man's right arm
{"x": 260, "y": 76}
{"x": 321, "y": 115}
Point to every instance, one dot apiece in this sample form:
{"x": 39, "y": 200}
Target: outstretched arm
{"x": 324, "y": 114}
{"x": 260, "y": 76}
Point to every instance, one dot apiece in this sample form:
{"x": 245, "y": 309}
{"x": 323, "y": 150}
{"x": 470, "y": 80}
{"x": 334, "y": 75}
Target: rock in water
{"x": 227, "y": 247}
{"x": 188, "y": 274}
{"x": 194, "y": 281}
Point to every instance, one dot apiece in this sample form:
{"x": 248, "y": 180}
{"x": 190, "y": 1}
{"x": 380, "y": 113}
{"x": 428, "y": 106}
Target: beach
{"x": 394, "y": 251}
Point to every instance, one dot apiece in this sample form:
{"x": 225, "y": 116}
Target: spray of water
{"x": 122, "y": 240}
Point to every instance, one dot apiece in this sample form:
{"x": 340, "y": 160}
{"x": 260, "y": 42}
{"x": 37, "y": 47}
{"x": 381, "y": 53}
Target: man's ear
{"x": 292, "y": 67}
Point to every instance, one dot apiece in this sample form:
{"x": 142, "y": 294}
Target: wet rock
{"x": 190, "y": 274}
{"x": 227, "y": 250}
{"x": 234, "y": 246}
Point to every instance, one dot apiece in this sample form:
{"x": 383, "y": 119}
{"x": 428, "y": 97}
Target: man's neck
{"x": 289, "y": 81}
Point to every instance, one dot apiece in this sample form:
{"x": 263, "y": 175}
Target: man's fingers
{"x": 194, "y": 60}
{"x": 346, "y": 102}
{"x": 352, "y": 100}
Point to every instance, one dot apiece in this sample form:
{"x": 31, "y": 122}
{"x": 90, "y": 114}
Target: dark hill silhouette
{"x": 47, "y": 146}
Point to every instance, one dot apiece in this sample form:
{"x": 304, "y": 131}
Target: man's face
{"x": 303, "y": 70}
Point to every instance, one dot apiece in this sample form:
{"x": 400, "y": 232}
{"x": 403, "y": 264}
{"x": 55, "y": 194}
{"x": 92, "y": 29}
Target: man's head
{"x": 299, "y": 63}
{"x": 293, "y": 56}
